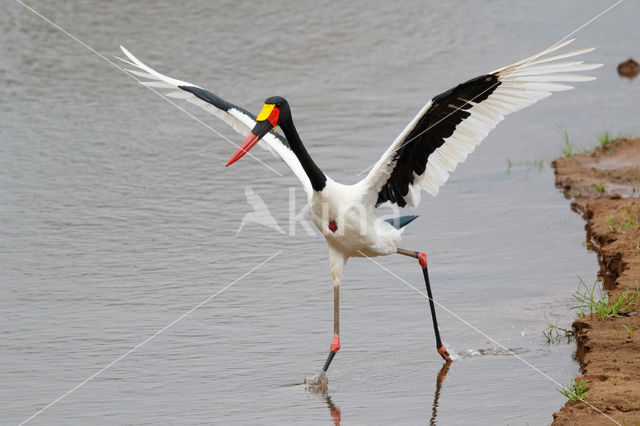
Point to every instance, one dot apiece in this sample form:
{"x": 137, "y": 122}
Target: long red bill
{"x": 248, "y": 143}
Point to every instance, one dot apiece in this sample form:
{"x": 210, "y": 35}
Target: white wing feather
{"x": 241, "y": 121}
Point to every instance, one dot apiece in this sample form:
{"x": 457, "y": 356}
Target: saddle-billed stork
{"x": 440, "y": 136}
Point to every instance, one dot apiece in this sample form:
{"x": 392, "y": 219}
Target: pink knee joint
{"x": 335, "y": 345}
{"x": 422, "y": 258}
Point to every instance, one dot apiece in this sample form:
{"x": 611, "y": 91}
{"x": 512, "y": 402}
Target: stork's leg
{"x": 335, "y": 344}
{"x": 422, "y": 258}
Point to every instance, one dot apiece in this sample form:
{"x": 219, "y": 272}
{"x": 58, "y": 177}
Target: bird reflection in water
{"x": 336, "y": 414}
{"x": 335, "y": 411}
{"x": 318, "y": 384}
{"x": 441, "y": 375}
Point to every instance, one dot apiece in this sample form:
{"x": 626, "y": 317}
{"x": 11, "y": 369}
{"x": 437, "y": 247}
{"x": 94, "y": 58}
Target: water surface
{"x": 118, "y": 216}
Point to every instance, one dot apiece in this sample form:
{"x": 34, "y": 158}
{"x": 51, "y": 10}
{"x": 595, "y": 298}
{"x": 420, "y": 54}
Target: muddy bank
{"x": 604, "y": 186}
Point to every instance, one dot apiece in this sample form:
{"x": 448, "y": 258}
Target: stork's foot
{"x": 444, "y": 353}
{"x": 317, "y": 383}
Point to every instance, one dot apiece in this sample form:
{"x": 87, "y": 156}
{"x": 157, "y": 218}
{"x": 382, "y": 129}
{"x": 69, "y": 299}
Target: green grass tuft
{"x": 599, "y": 306}
{"x": 554, "y": 334}
{"x": 630, "y": 330}
{"x": 575, "y": 390}
{"x": 568, "y": 148}
{"x": 604, "y": 139}
{"x": 625, "y": 221}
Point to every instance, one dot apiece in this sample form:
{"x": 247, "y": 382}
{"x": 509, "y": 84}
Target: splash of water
{"x": 472, "y": 353}
{"x": 317, "y": 383}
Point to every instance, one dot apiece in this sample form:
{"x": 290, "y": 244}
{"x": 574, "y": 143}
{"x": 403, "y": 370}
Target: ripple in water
{"x": 472, "y": 353}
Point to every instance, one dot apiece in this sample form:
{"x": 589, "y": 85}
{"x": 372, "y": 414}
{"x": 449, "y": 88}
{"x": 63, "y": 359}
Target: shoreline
{"x": 604, "y": 186}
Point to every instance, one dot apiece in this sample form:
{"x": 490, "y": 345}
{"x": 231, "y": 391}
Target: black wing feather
{"x": 447, "y": 110}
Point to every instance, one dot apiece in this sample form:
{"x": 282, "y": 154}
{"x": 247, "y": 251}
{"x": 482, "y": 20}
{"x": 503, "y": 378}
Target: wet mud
{"x": 629, "y": 69}
{"x": 604, "y": 186}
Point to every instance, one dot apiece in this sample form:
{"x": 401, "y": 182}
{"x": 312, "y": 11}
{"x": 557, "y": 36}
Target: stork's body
{"x": 441, "y": 135}
{"x": 358, "y": 231}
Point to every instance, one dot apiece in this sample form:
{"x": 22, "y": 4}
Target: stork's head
{"x": 274, "y": 109}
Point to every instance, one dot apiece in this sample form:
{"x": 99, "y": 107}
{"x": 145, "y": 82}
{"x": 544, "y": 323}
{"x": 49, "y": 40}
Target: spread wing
{"x": 451, "y": 125}
{"x": 241, "y": 120}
